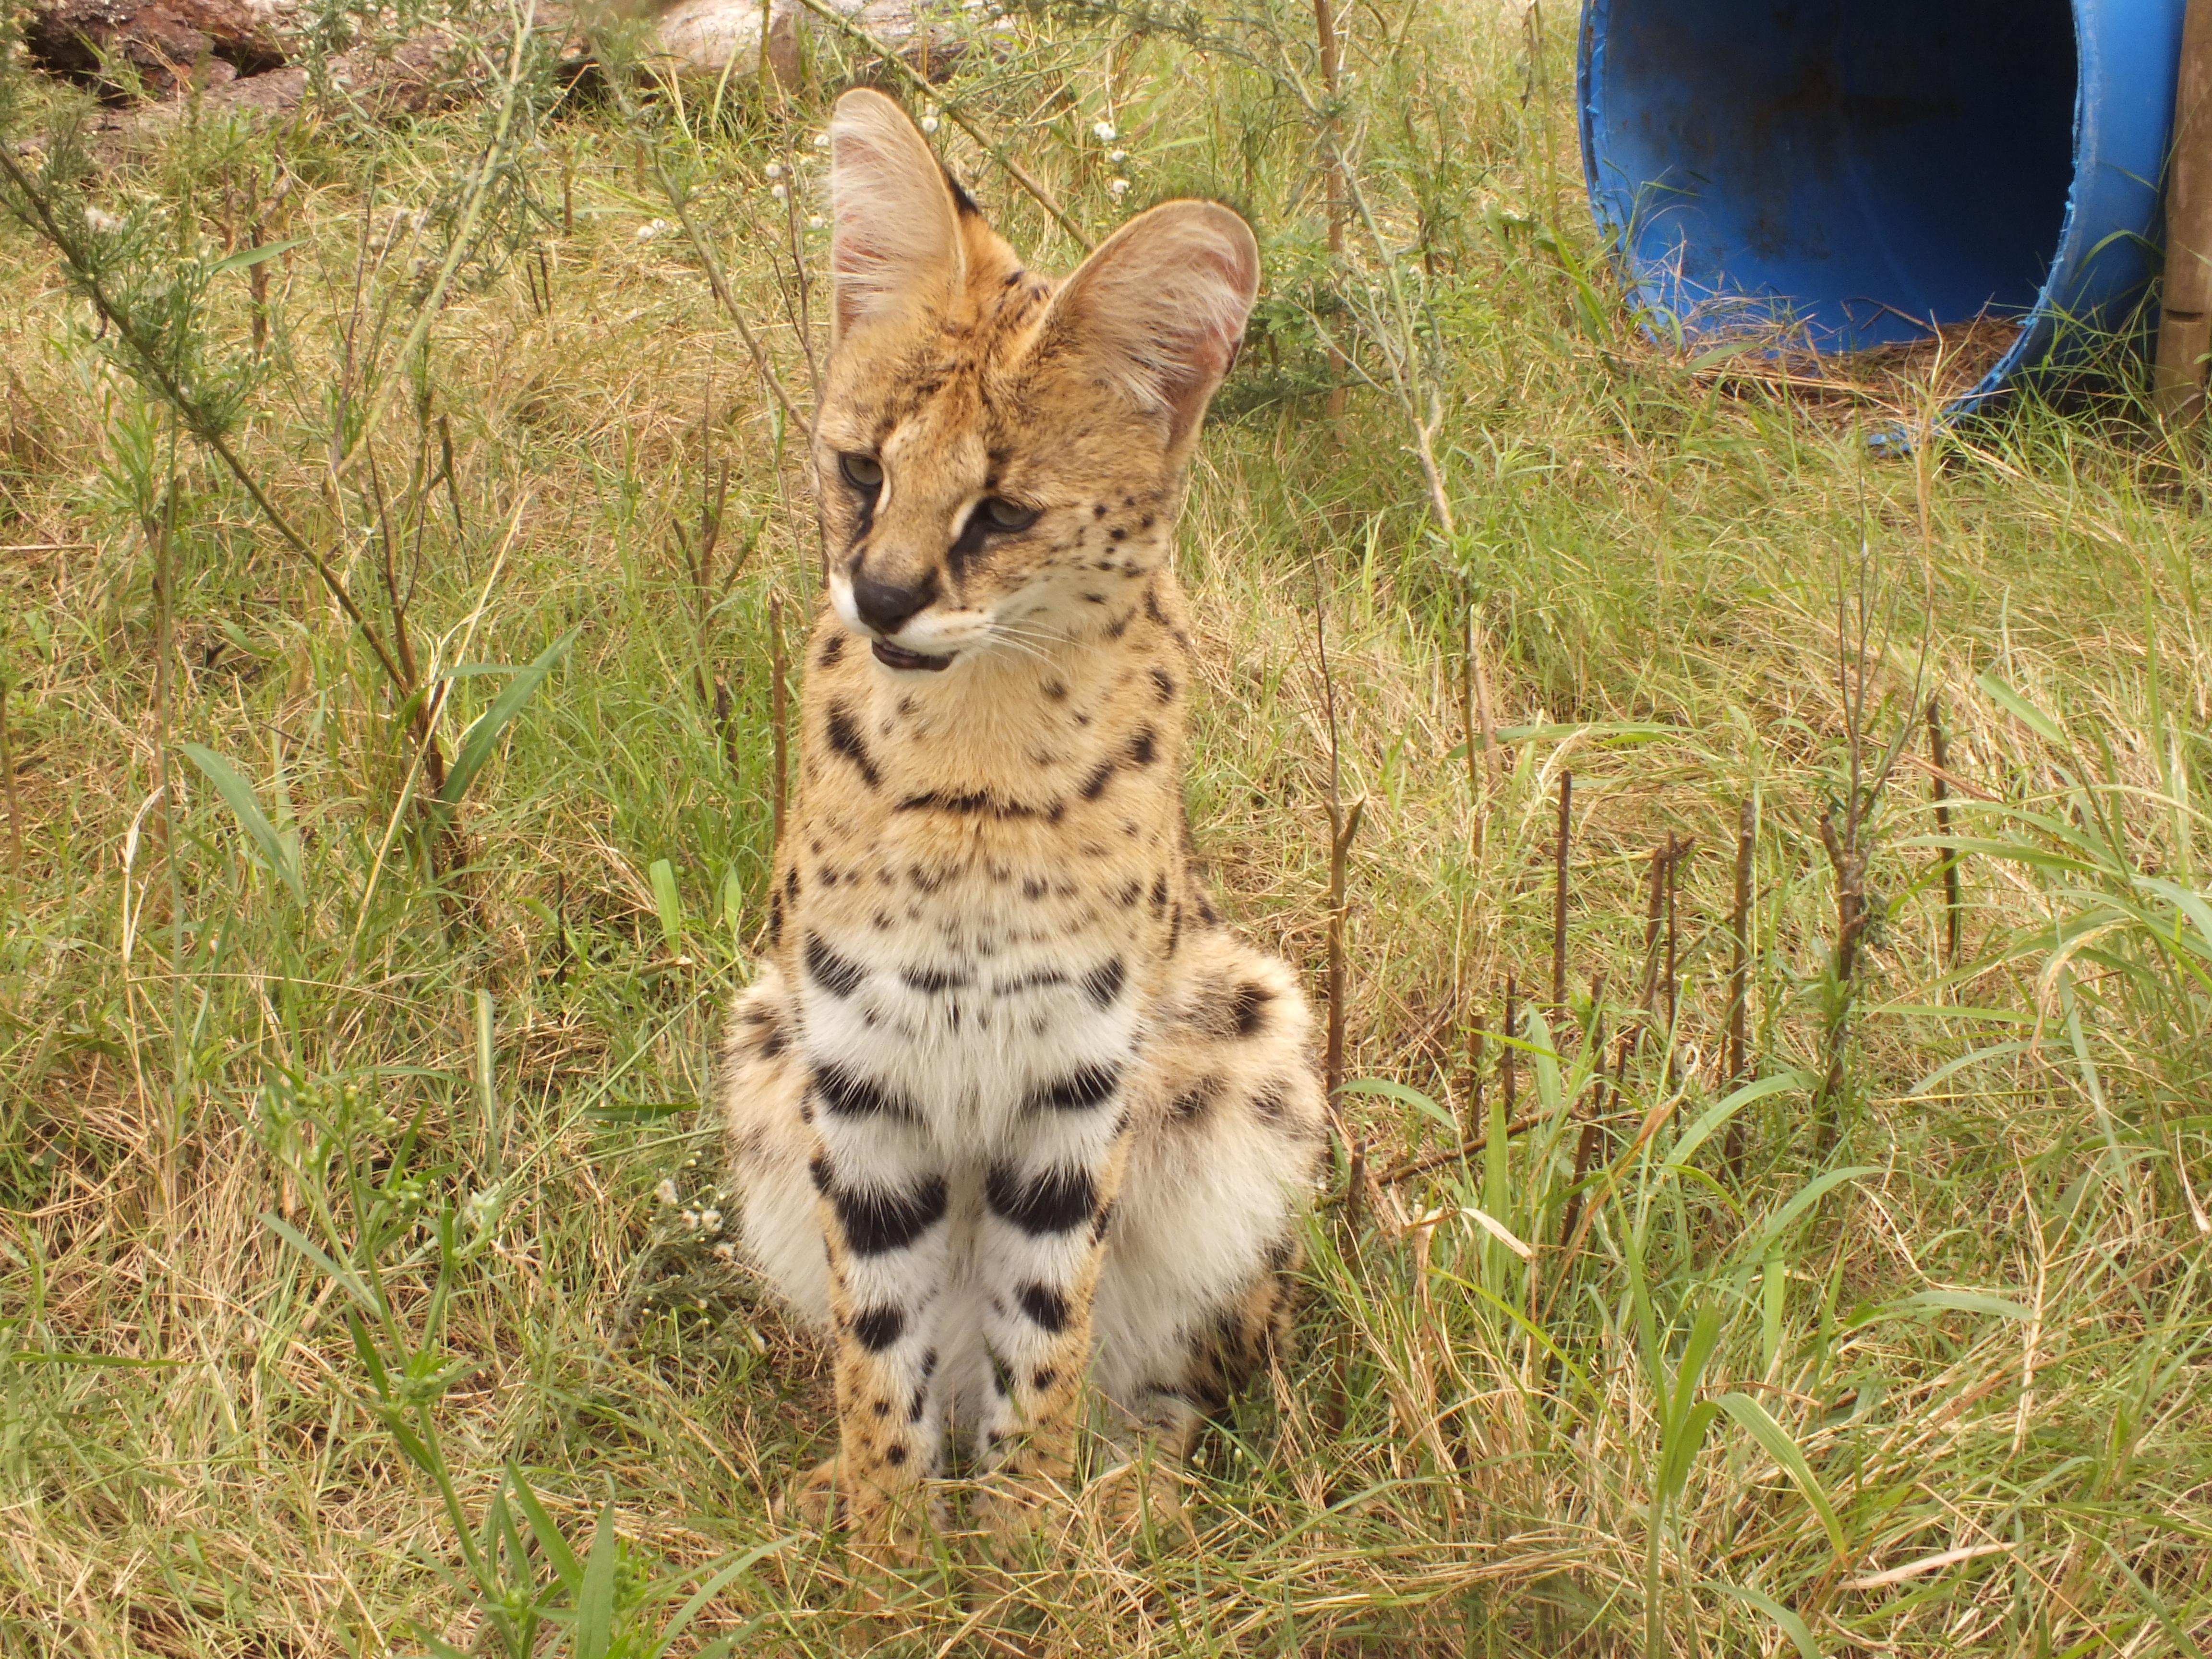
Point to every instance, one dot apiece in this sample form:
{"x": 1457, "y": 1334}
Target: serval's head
{"x": 1001, "y": 456}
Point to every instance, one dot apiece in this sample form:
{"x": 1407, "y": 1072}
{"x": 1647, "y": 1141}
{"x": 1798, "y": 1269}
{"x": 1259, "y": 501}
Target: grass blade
{"x": 566, "y": 1567}
{"x": 246, "y": 806}
{"x": 1753, "y": 1418}
{"x": 482, "y": 735}
{"x": 595, "y": 1602}
{"x": 668, "y": 902}
{"x": 1791, "y": 1626}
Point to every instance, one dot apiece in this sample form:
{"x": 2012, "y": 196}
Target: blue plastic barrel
{"x": 1853, "y": 171}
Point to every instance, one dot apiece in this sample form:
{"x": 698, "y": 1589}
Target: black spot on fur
{"x": 1270, "y": 1105}
{"x": 1104, "y": 983}
{"x": 791, "y": 884}
{"x": 928, "y": 1365}
{"x": 774, "y": 1042}
{"x": 1055, "y": 691}
{"x": 1103, "y": 1220}
{"x": 1160, "y": 893}
{"x": 832, "y": 972}
{"x": 962, "y": 203}
{"x": 1095, "y": 785}
{"x": 1196, "y": 1101}
{"x": 1043, "y": 1378}
{"x": 877, "y": 1223}
{"x": 1129, "y": 892}
{"x": 1080, "y": 1091}
{"x": 931, "y": 980}
{"x": 877, "y": 1328}
{"x": 1046, "y": 1307}
{"x": 833, "y": 647}
{"x": 894, "y": 1455}
{"x": 1164, "y": 684}
{"x": 925, "y": 881}
{"x": 1174, "y": 930}
{"x": 1144, "y": 747}
{"x": 1247, "y": 1008}
{"x": 1057, "y": 1201}
{"x": 1120, "y": 625}
{"x": 880, "y": 1407}
{"x": 982, "y": 802}
{"x": 1098, "y": 511}
{"x": 845, "y": 739}
{"x": 918, "y": 1406}
{"x": 1116, "y": 533}
{"x": 1032, "y": 890}
{"x": 818, "y": 1170}
{"x": 776, "y": 918}
{"x": 848, "y": 1095}
{"x": 1042, "y": 979}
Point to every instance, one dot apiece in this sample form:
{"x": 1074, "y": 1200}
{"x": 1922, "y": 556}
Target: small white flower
{"x": 726, "y": 1251}
{"x": 480, "y": 1209}
{"x": 1117, "y": 188}
{"x": 929, "y": 124}
{"x": 821, "y": 141}
{"x": 1105, "y": 132}
{"x": 815, "y": 222}
{"x": 100, "y": 221}
{"x": 651, "y": 228}
{"x": 781, "y": 192}
{"x": 711, "y": 1220}
{"x": 773, "y": 169}
{"x": 666, "y": 1192}
{"x": 1118, "y": 156}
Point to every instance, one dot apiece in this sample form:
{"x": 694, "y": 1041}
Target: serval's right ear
{"x": 895, "y": 245}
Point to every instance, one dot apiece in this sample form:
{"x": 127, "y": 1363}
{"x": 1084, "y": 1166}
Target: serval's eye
{"x": 861, "y": 471}
{"x": 1000, "y": 513}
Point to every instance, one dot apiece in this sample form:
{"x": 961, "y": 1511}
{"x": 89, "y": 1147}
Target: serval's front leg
{"x": 882, "y": 1202}
{"x": 1047, "y": 1202}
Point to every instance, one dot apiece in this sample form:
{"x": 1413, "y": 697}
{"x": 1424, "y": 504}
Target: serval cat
{"x": 1011, "y": 1113}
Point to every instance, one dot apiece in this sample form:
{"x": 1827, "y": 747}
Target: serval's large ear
{"x": 1159, "y": 309}
{"x": 896, "y": 238}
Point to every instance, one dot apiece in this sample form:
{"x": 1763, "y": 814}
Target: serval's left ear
{"x": 1159, "y": 309}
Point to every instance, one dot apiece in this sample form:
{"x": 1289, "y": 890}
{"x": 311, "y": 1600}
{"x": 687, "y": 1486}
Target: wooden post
{"x": 1325, "y": 39}
{"x": 2185, "y": 328}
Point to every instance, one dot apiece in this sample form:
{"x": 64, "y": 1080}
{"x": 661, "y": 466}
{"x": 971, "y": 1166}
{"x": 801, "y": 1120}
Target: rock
{"x": 161, "y": 45}
{"x": 714, "y": 38}
{"x": 426, "y": 73}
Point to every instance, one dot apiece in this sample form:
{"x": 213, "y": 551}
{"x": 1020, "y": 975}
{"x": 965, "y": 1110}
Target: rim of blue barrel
{"x": 2126, "y": 52}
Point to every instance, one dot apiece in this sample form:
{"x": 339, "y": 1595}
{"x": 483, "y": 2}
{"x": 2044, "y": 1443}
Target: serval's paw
{"x": 1016, "y": 1510}
{"x": 889, "y": 1529}
{"x": 1142, "y": 1502}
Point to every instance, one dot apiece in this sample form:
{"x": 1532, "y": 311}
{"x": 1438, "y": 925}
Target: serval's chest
{"x": 974, "y": 895}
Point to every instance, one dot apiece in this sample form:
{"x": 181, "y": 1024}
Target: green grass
{"x": 342, "y": 1310}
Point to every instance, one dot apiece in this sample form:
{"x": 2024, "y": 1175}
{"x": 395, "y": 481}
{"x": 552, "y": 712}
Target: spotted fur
{"x": 1008, "y": 1107}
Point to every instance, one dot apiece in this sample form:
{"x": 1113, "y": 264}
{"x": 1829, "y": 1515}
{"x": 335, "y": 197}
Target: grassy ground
{"x": 363, "y": 1285}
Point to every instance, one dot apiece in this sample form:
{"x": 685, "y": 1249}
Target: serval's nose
{"x": 888, "y": 606}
